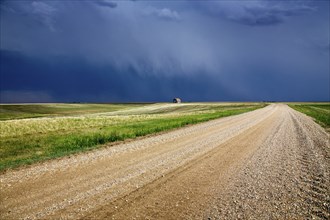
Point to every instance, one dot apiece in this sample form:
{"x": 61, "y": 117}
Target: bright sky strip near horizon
{"x": 150, "y": 51}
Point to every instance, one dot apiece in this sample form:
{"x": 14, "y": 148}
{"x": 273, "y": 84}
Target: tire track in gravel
{"x": 314, "y": 184}
{"x": 287, "y": 178}
{"x": 187, "y": 191}
{"x": 269, "y": 163}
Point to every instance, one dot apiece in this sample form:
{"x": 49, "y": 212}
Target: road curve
{"x": 272, "y": 163}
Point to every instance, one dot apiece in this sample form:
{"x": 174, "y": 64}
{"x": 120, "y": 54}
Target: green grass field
{"x": 8, "y": 112}
{"x": 64, "y": 129}
{"x": 319, "y": 111}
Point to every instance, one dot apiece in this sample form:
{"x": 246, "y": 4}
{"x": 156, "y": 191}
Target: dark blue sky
{"x": 138, "y": 51}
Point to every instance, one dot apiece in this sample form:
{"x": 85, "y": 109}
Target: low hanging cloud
{"x": 8, "y": 96}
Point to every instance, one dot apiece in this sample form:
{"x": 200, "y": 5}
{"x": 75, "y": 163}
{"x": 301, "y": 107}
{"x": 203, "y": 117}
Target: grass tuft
{"x": 320, "y": 112}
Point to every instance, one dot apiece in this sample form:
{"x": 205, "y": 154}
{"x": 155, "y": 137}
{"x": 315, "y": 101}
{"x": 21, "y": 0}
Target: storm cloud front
{"x": 152, "y": 51}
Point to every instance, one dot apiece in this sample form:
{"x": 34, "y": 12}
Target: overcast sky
{"x": 149, "y": 51}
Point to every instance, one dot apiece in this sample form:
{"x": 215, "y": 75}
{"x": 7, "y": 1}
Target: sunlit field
{"x": 32, "y": 133}
{"x": 19, "y": 111}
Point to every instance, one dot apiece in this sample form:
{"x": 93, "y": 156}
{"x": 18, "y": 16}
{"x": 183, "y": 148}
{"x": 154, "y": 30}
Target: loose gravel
{"x": 287, "y": 178}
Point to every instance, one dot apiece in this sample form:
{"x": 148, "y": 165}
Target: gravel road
{"x": 272, "y": 163}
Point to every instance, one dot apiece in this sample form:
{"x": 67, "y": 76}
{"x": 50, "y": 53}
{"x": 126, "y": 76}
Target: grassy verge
{"x": 320, "y": 112}
{"x": 26, "y": 141}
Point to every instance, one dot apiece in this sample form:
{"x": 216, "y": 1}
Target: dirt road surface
{"x": 272, "y": 163}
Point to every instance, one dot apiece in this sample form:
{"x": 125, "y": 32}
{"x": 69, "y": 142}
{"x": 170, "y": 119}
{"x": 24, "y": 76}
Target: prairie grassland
{"x": 319, "y": 111}
{"x": 29, "y": 140}
{"x": 20, "y": 111}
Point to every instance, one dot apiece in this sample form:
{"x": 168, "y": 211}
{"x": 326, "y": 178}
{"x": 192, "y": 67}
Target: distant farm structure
{"x": 176, "y": 100}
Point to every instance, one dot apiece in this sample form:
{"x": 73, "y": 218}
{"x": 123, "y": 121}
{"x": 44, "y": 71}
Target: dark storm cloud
{"x": 153, "y": 50}
{"x": 270, "y": 15}
{"x": 105, "y": 3}
{"x": 76, "y": 83}
{"x": 257, "y": 13}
